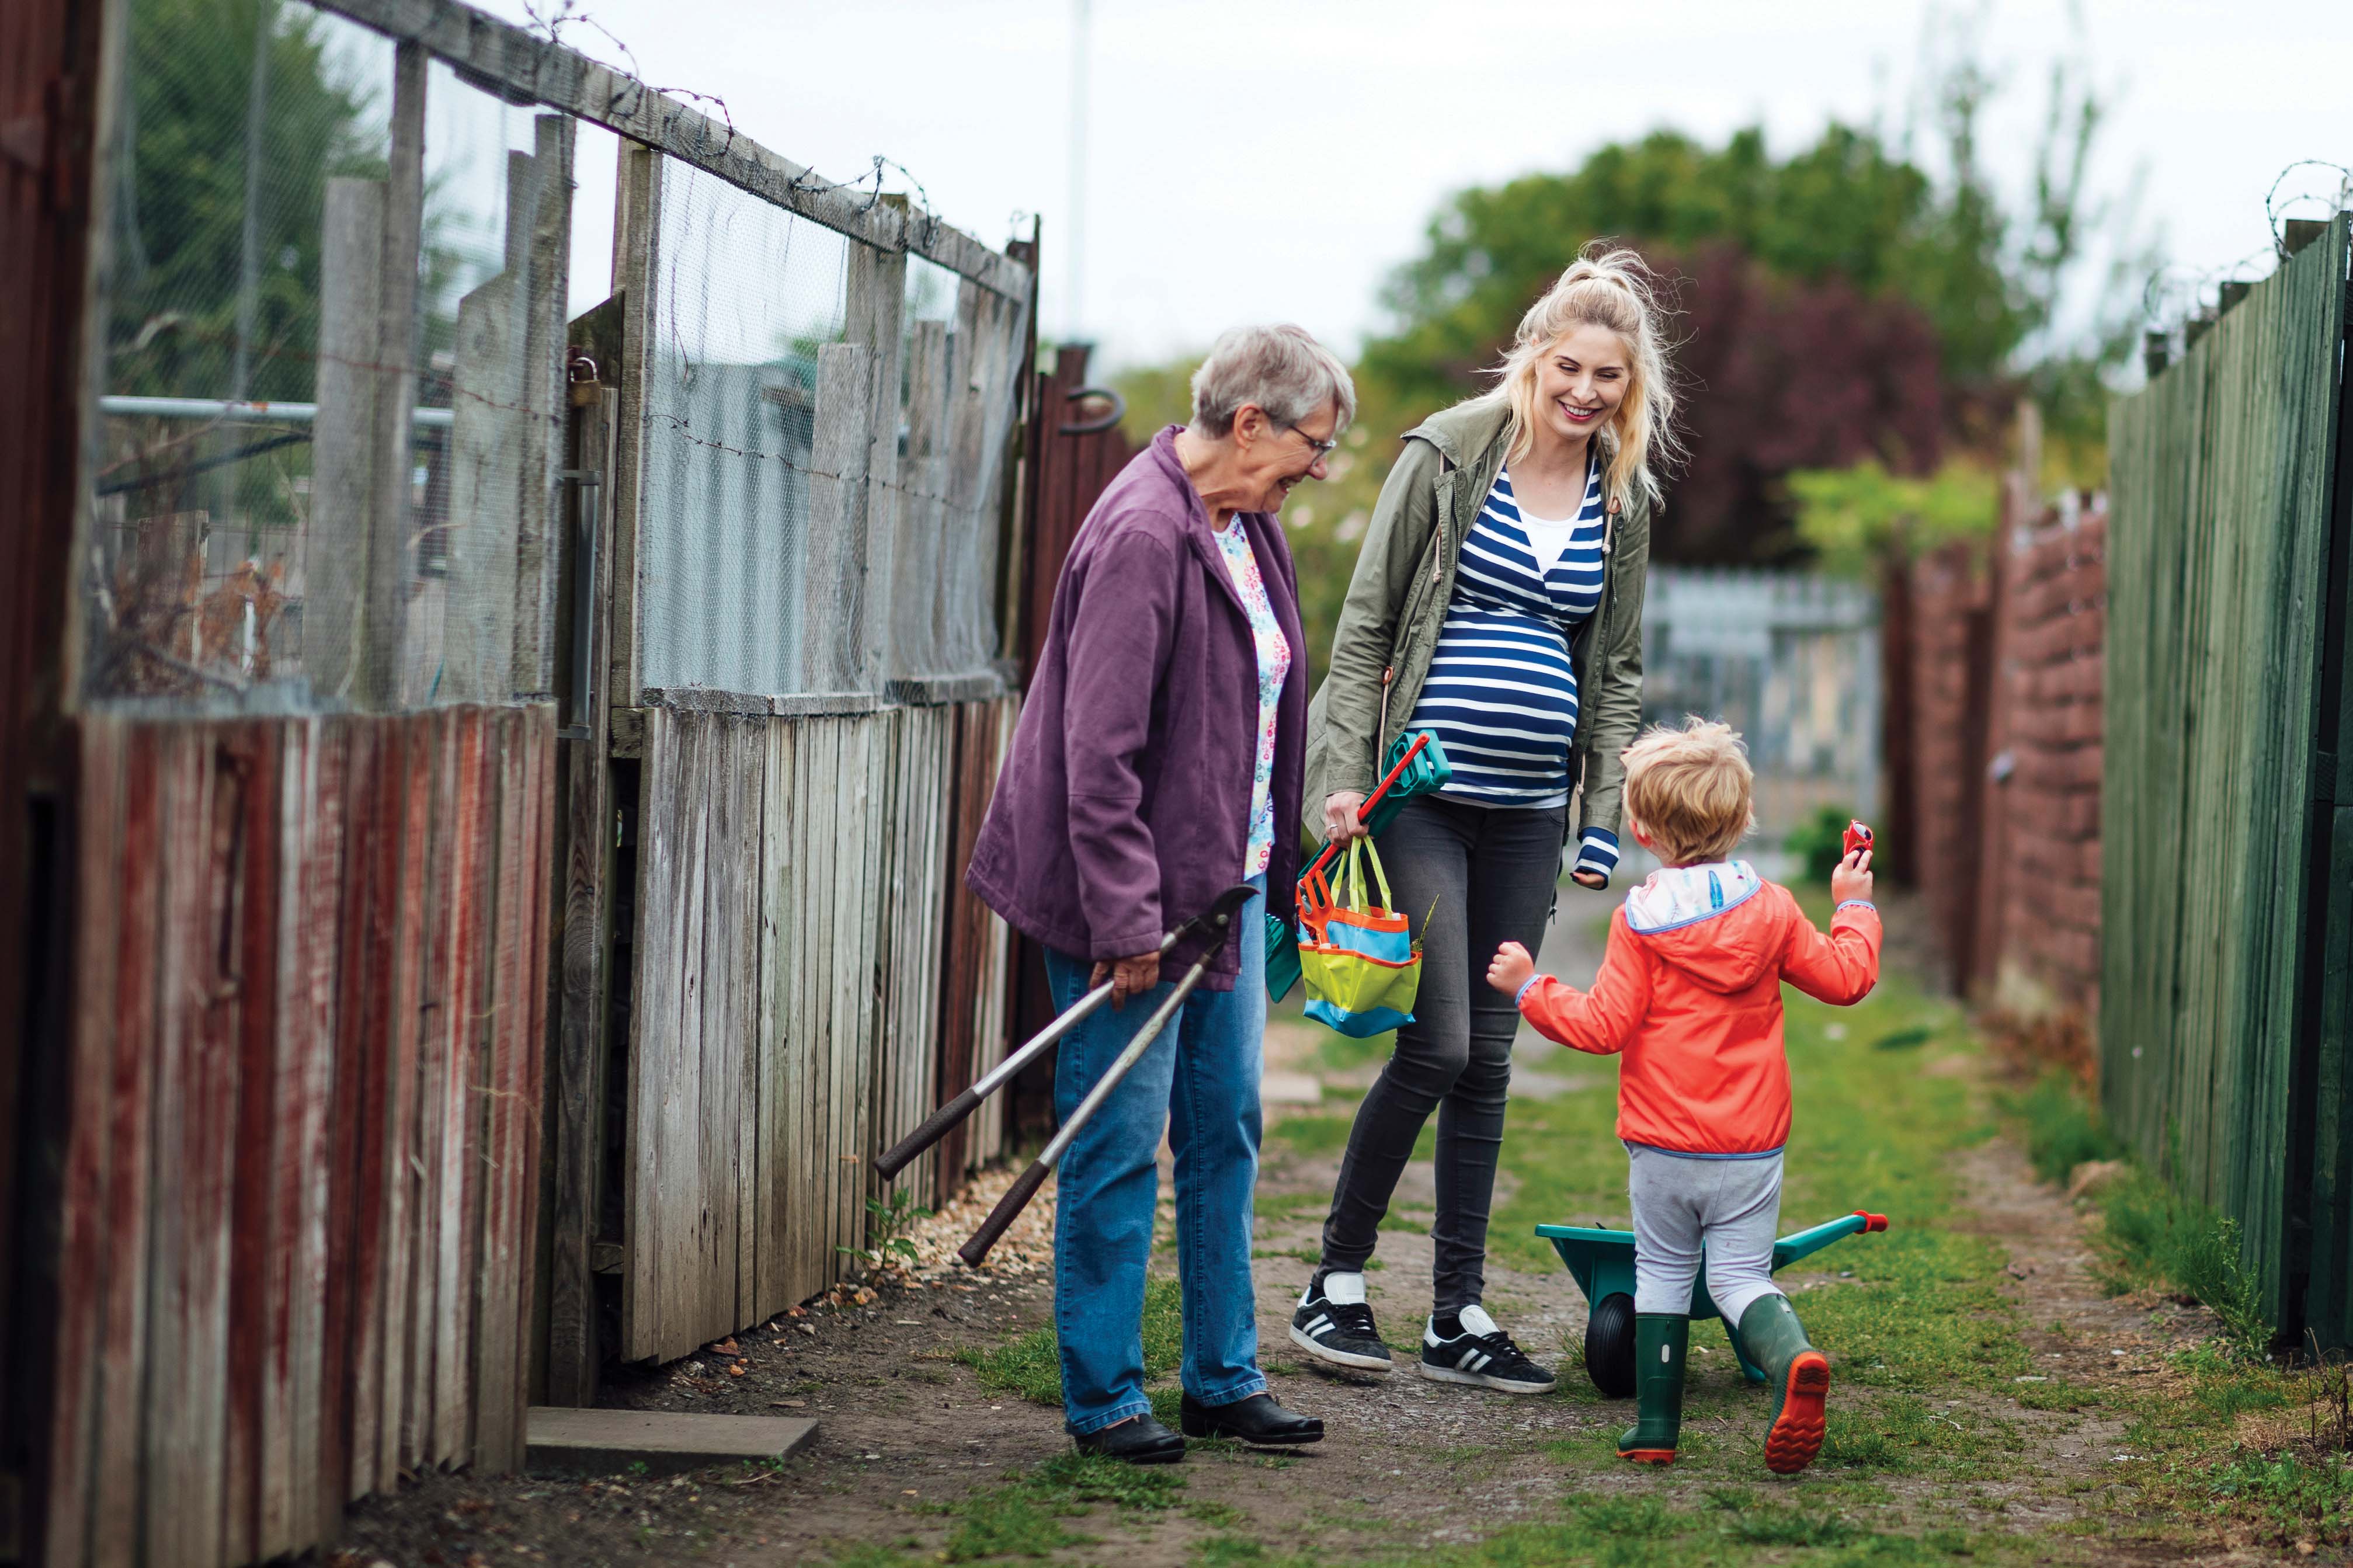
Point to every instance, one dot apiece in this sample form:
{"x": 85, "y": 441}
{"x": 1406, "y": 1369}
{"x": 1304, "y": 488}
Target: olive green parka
{"x": 1397, "y": 603}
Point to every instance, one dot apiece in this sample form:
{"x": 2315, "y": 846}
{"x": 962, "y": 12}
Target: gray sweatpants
{"x": 1729, "y": 1208}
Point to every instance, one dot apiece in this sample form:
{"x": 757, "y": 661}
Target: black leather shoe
{"x": 1140, "y": 1440}
{"x": 1257, "y": 1419}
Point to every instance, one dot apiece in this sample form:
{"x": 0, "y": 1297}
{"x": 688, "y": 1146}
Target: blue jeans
{"x": 1199, "y": 1080}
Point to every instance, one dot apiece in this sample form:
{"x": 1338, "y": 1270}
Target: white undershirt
{"x": 1549, "y": 538}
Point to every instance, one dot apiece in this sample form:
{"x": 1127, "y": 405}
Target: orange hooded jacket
{"x": 1690, "y": 989}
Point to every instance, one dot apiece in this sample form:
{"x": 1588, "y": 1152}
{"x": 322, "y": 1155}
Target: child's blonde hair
{"x": 1691, "y": 788}
{"x": 1613, "y": 288}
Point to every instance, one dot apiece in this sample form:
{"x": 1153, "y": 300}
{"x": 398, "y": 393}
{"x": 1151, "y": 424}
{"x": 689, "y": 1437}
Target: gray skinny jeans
{"x": 1469, "y": 879}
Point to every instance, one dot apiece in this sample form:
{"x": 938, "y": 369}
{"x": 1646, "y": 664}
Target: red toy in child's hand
{"x": 1858, "y": 836}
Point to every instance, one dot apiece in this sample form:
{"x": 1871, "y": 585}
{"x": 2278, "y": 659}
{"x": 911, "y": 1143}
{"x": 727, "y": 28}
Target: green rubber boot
{"x": 1661, "y": 1342}
{"x": 1800, "y": 1376}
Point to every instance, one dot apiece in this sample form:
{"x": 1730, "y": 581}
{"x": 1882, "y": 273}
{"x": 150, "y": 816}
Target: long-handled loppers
{"x": 1215, "y": 924}
{"x": 1208, "y": 928}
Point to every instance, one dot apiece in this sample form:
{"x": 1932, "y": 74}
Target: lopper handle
{"x": 941, "y": 1122}
{"x": 1870, "y": 1222}
{"x": 1008, "y": 1208}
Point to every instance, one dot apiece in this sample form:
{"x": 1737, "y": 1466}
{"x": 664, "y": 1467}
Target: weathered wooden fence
{"x": 509, "y": 778}
{"x": 301, "y": 1164}
{"x": 2228, "y": 844}
{"x": 810, "y": 525}
{"x": 309, "y": 824}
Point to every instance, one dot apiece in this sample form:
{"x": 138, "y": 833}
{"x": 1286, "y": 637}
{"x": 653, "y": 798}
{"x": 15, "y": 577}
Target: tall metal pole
{"x": 1074, "y": 306}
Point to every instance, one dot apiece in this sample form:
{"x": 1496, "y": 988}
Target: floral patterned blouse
{"x": 1274, "y": 668}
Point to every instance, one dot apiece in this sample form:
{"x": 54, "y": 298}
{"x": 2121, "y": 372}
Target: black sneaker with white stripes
{"x": 1472, "y": 1349}
{"x": 1335, "y": 1326}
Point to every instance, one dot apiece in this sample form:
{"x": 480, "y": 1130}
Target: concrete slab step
{"x": 605, "y": 1442}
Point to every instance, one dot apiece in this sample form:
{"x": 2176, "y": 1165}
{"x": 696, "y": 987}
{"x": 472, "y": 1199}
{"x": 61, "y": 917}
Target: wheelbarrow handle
{"x": 1806, "y": 1242}
{"x": 1364, "y": 812}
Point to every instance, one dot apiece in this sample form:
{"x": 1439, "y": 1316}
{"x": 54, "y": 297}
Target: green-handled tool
{"x": 1417, "y": 765}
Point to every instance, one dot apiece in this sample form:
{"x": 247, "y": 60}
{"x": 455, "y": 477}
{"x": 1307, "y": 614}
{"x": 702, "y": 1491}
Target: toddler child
{"x": 1690, "y": 990}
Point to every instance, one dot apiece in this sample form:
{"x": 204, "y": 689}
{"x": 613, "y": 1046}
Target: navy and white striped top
{"x": 1500, "y": 694}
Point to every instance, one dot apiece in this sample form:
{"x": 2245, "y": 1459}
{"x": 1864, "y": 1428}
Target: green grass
{"x": 2061, "y": 1130}
{"x": 1031, "y": 1366}
{"x": 2154, "y": 1234}
{"x": 2290, "y": 1491}
{"x": 1928, "y": 1349}
{"x": 1312, "y": 1135}
{"x": 1024, "y": 1518}
{"x": 1027, "y": 1515}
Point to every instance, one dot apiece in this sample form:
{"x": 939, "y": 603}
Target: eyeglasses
{"x": 1321, "y": 449}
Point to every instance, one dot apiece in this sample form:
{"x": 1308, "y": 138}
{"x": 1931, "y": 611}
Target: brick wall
{"x": 2002, "y": 638}
{"x": 2040, "y": 899}
{"x": 1947, "y": 630}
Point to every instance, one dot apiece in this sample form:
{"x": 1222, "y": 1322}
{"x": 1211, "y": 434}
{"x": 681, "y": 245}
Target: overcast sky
{"x": 1277, "y": 160}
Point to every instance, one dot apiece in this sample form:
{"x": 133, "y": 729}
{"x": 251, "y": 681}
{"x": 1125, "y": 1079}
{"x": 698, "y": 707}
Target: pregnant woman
{"x": 1498, "y": 604}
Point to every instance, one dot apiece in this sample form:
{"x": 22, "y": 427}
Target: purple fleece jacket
{"x": 1123, "y": 806}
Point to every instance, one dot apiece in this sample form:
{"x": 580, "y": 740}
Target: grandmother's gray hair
{"x": 1281, "y": 369}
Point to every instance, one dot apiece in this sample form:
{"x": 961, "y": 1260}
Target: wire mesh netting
{"x": 748, "y": 297}
{"x": 1790, "y": 660}
{"x": 824, "y": 432}
{"x": 962, "y": 354}
{"x": 320, "y": 473}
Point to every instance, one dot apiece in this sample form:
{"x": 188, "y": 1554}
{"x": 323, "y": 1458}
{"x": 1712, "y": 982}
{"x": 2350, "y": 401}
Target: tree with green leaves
{"x": 235, "y": 116}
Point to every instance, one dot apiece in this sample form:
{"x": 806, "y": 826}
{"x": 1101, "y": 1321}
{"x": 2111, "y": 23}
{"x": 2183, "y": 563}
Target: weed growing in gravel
{"x": 1026, "y": 1513}
{"x": 2155, "y": 1233}
{"x": 2290, "y": 1491}
{"x": 2062, "y": 1129}
{"x": 1031, "y": 1366}
{"x": 1630, "y": 1516}
{"x": 1906, "y": 1435}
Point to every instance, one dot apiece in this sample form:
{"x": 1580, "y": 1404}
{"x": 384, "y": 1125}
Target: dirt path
{"x": 905, "y": 1427}
{"x": 910, "y": 1434}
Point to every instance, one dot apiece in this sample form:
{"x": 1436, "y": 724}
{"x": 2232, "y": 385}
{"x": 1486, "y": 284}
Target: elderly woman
{"x": 1158, "y": 762}
{"x": 1497, "y": 603}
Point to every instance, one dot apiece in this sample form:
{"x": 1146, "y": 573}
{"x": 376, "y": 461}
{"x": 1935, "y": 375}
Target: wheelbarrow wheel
{"x": 1610, "y": 1346}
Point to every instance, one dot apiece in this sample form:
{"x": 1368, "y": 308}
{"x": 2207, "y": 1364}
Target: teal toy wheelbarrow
{"x": 1603, "y": 1263}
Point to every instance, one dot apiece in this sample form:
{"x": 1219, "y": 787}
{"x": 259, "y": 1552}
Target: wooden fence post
{"x": 922, "y": 506}
{"x": 637, "y": 264}
{"x": 343, "y": 495}
{"x": 878, "y": 300}
{"x": 490, "y": 436}
{"x": 355, "y": 613}
{"x": 538, "y": 549}
{"x": 576, "y": 1116}
{"x": 831, "y": 652}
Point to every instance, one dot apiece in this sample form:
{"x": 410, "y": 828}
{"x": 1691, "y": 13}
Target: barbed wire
{"x": 2271, "y": 214}
{"x": 2157, "y": 315}
{"x": 550, "y": 22}
{"x": 685, "y": 429}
